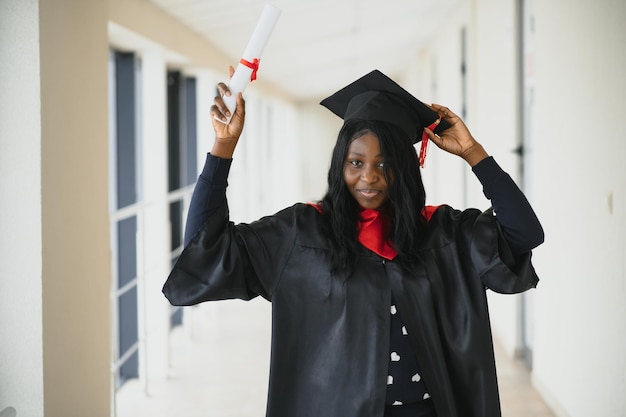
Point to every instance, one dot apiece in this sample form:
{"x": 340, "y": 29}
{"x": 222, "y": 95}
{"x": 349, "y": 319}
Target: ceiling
{"x": 318, "y": 46}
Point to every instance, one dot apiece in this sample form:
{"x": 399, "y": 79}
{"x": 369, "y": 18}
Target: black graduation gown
{"x": 330, "y": 333}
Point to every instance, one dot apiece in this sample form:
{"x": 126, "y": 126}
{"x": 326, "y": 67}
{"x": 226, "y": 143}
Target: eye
{"x": 381, "y": 164}
{"x": 355, "y": 163}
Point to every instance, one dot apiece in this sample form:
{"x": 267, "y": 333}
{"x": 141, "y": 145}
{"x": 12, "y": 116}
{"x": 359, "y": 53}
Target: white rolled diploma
{"x": 260, "y": 36}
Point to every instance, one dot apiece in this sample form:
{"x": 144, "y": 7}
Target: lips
{"x": 369, "y": 193}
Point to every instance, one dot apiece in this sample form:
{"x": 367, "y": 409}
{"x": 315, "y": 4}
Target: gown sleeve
{"x": 503, "y": 236}
{"x": 519, "y": 223}
{"x": 222, "y": 260}
{"x": 208, "y": 195}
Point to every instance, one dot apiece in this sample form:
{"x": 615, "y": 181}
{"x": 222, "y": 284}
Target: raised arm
{"x": 210, "y": 191}
{"x": 520, "y": 225}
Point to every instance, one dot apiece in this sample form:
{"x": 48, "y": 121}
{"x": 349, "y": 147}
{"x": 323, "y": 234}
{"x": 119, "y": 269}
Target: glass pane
{"x": 176, "y": 319}
{"x": 191, "y": 131}
{"x": 127, "y": 250}
{"x": 130, "y": 369}
{"x": 176, "y": 221}
{"x": 173, "y": 130}
{"x": 126, "y": 131}
{"x": 128, "y": 329}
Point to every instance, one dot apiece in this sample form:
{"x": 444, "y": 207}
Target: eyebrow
{"x": 360, "y": 154}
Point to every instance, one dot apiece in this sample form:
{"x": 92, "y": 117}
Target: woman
{"x": 378, "y": 303}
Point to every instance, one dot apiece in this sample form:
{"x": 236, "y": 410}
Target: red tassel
{"x": 424, "y": 146}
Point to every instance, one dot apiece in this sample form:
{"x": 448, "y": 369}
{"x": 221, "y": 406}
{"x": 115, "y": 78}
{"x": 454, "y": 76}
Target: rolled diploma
{"x": 260, "y": 36}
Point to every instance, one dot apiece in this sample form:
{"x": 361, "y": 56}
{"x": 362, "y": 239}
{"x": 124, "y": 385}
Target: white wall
{"x": 575, "y": 177}
{"x": 435, "y": 77}
{"x": 493, "y": 117}
{"x": 282, "y": 157}
{"x": 317, "y": 133}
{"x": 491, "y": 99}
{"x": 262, "y": 177}
{"x": 21, "y": 387}
{"x": 579, "y": 193}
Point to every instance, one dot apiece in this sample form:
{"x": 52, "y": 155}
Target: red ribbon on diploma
{"x": 425, "y": 142}
{"x": 254, "y": 66}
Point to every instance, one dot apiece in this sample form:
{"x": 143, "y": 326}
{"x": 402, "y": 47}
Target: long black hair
{"x": 405, "y": 188}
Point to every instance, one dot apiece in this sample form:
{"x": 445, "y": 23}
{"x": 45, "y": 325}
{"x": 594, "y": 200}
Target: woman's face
{"x": 363, "y": 172}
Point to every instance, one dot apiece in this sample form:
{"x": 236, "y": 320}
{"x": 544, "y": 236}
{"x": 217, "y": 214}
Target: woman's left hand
{"x": 457, "y": 139}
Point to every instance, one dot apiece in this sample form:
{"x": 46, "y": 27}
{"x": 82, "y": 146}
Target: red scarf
{"x": 373, "y": 229}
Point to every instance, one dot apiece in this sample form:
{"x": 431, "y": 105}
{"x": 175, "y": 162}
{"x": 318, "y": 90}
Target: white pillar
{"x": 21, "y": 344}
{"x": 153, "y": 306}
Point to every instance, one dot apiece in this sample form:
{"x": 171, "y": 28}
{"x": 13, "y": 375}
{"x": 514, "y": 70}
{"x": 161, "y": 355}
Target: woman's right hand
{"x": 227, "y": 135}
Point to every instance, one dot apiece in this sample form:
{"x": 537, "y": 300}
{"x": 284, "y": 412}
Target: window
{"x": 125, "y": 210}
{"x": 182, "y": 159}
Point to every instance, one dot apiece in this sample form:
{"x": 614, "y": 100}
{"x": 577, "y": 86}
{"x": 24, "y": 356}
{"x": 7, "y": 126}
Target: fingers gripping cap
{"x": 377, "y": 97}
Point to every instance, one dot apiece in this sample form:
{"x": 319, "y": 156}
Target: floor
{"x": 219, "y": 368}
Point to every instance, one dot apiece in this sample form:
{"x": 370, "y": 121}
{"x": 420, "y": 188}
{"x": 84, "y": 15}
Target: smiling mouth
{"x": 369, "y": 193}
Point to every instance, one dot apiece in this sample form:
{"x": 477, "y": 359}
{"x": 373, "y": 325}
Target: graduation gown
{"x": 330, "y": 332}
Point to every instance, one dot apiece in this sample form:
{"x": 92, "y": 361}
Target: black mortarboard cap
{"x": 377, "y": 97}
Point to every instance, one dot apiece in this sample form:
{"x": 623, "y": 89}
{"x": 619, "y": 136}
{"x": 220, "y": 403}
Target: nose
{"x": 370, "y": 174}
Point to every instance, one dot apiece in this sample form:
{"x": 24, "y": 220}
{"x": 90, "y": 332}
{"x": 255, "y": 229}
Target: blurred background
{"x": 104, "y": 126}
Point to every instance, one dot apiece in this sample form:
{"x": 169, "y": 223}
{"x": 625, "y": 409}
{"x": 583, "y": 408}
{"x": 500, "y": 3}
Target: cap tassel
{"x": 424, "y": 145}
